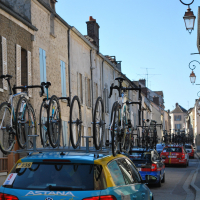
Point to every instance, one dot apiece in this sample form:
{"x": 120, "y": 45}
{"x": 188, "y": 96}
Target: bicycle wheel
{"x": 22, "y": 122}
{"x": 127, "y": 144}
{"x": 98, "y": 123}
{"x": 32, "y": 125}
{"x": 54, "y": 121}
{"x": 7, "y": 137}
{"x": 115, "y": 131}
{"x": 75, "y": 122}
{"x": 43, "y": 124}
{"x": 138, "y": 137}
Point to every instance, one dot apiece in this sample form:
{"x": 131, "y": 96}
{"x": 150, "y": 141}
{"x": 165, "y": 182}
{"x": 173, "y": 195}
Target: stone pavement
{"x": 195, "y": 183}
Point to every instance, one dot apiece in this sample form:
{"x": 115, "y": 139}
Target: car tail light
{"x": 183, "y": 156}
{"x": 153, "y": 167}
{"x": 106, "y": 197}
{"x": 7, "y": 197}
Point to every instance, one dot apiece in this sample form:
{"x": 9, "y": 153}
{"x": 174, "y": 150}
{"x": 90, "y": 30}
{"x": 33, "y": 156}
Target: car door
{"x": 160, "y": 164}
{"x": 144, "y": 192}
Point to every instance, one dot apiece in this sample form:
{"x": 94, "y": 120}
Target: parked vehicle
{"x": 175, "y": 154}
{"x": 159, "y": 147}
{"x": 190, "y": 150}
{"x": 148, "y": 162}
{"x": 80, "y": 176}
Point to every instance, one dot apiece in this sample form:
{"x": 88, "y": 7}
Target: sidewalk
{"x": 195, "y": 183}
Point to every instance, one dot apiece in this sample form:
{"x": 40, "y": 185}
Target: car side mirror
{"x": 163, "y": 157}
{"x": 150, "y": 179}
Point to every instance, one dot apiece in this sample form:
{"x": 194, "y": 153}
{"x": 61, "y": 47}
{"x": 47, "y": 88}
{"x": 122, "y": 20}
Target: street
{"x": 177, "y": 183}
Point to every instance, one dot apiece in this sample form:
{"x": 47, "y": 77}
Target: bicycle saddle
{"x": 6, "y": 76}
{"x": 120, "y": 79}
{"x": 47, "y": 84}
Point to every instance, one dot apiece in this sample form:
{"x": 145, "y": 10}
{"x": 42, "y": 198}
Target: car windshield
{"x": 173, "y": 149}
{"x": 51, "y": 176}
{"x": 188, "y": 147}
{"x": 140, "y": 156}
{"x": 159, "y": 146}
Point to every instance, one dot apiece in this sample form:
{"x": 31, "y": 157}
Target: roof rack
{"x": 87, "y": 149}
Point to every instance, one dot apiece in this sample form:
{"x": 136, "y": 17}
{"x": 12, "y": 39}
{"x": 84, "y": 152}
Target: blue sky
{"x": 146, "y": 36}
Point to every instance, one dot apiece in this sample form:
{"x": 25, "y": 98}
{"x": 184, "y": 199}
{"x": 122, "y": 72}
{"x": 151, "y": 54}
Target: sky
{"x": 149, "y": 37}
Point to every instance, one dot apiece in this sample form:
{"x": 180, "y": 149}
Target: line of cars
{"x": 86, "y": 176}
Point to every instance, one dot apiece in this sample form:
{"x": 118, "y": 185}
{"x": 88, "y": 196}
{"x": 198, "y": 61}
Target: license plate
{"x": 139, "y": 169}
{"x": 171, "y": 156}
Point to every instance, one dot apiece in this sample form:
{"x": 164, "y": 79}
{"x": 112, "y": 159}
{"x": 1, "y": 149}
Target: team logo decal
{"x": 49, "y": 198}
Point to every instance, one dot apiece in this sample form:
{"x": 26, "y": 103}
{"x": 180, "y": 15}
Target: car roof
{"x": 85, "y": 158}
{"x": 174, "y": 145}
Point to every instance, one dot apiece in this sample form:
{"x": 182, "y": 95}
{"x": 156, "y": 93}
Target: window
{"x": 63, "y": 78}
{"x": 116, "y": 173}
{"x": 80, "y": 87}
{"x": 99, "y": 178}
{"x": 177, "y": 126}
{"x": 65, "y": 133}
{"x": 42, "y": 66}
{"x": 23, "y": 68}
{"x": 52, "y": 17}
{"x": 177, "y": 118}
{"x": 88, "y": 92}
{"x": 106, "y": 99}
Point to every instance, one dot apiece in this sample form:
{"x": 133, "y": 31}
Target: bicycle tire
{"x": 54, "y": 121}
{"x": 32, "y": 125}
{"x": 7, "y": 140}
{"x": 115, "y": 131}
{"x": 98, "y": 123}
{"x": 75, "y": 122}
{"x": 43, "y": 124}
{"x": 127, "y": 144}
{"x": 22, "y": 122}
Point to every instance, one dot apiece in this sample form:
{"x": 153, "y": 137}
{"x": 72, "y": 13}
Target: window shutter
{"x": 4, "y": 62}
{"x": 78, "y": 85}
{"x": 18, "y": 66}
{"x": 107, "y": 100}
{"x": 65, "y": 134}
{"x": 90, "y": 93}
{"x": 86, "y": 92}
{"x": 104, "y": 97}
{"x": 44, "y": 64}
{"x": 41, "y": 65}
{"x": 64, "y": 80}
{"x": 29, "y": 72}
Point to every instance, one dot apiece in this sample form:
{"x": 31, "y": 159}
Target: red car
{"x": 175, "y": 154}
{"x": 190, "y": 150}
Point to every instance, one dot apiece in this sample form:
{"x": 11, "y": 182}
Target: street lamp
{"x": 189, "y": 17}
{"x": 192, "y": 75}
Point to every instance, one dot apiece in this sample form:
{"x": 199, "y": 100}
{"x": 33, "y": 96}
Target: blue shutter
{"x": 42, "y": 65}
{"x": 44, "y": 60}
{"x": 63, "y": 78}
{"x": 65, "y": 134}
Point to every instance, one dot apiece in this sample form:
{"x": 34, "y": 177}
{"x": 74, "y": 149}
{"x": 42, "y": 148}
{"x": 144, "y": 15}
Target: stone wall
{"x": 14, "y": 34}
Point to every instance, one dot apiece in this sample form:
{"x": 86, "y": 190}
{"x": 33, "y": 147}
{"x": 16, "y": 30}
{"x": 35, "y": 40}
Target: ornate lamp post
{"x": 189, "y": 17}
{"x": 192, "y": 75}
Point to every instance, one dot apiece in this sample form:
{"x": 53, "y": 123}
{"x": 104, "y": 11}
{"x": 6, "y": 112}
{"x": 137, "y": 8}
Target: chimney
{"x": 143, "y": 82}
{"x": 93, "y": 31}
{"x": 144, "y": 90}
{"x": 176, "y": 104}
{"x": 53, "y": 4}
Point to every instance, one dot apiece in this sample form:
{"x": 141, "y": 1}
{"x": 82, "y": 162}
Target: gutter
{"x": 15, "y": 15}
{"x": 91, "y": 68}
{"x": 69, "y": 69}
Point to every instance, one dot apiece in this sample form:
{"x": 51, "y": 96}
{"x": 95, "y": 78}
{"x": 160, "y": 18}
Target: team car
{"x": 60, "y": 175}
{"x": 175, "y": 154}
{"x": 190, "y": 150}
{"x": 148, "y": 162}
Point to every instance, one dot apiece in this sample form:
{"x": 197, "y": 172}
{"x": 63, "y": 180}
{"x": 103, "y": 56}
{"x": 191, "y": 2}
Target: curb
{"x": 193, "y": 187}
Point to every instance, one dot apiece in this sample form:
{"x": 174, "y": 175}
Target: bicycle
{"x": 98, "y": 123}
{"x": 120, "y": 122}
{"x": 19, "y": 124}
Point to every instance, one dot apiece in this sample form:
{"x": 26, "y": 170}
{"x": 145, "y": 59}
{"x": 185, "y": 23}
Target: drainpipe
{"x": 102, "y": 80}
{"x": 91, "y": 68}
{"x": 69, "y": 71}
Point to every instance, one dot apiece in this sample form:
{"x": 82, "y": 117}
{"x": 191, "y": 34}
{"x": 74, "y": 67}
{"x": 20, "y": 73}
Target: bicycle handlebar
{"x": 6, "y": 76}
{"x": 28, "y": 86}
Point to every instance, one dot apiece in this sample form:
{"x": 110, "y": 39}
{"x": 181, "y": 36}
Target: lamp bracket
{"x": 187, "y": 4}
{"x": 193, "y": 66}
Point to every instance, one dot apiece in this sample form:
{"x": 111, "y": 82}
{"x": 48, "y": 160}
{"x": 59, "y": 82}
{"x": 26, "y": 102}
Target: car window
{"x": 188, "y": 146}
{"x": 173, "y": 149}
{"x": 116, "y": 173}
{"x": 41, "y": 175}
{"x": 134, "y": 171}
{"x": 140, "y": 156}
{"x": 99, "y": 178}
{"x": 156, "y": 156}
